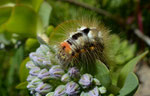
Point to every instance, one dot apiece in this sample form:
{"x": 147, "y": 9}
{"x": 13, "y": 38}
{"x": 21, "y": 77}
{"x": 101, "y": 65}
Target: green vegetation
{"x": 21, "y": 21}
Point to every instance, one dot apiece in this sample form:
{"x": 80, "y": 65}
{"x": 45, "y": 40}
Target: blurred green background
{"x": 22, "y": 20}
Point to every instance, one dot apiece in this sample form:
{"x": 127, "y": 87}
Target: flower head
{"x": 96, "y": 82}
{"x": 30, "y": 86}
{"x": 74, "y": 72}
{"x": 30, "y": 65}
{"x": 84, "y": 94}
{"x": 43, "y": 88}
{"x": 36, "y": 81}
{"x": 56, "y": 72}
{"x": 86, "y": 80}
{"x": 65, "y": 78}
{"x": 40, "y": 60}
{"x": 44, "y": 74}
{"x": 72, "y": 88}
{"x": 102, "y": 90}
{"x": 43, "y": 49}
{"x": 35, "y": 71}
{"x": 60, "y": 91}
{"x": 30, "y": 78}
{"x": 33, "y": 84}
{"x": 37, "y": 94}
{"x": 94, "y": 92}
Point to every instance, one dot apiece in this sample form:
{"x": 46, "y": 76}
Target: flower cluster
{"x": 48, "y": 78}
{"x": 39, "y": 71}
{"x": 85, "y": 86}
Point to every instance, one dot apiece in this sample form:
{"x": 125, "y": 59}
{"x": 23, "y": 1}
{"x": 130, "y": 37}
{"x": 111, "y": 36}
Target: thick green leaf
{"x": 44, "y": 12}
{"x": 23, "y": 21}
{"x": 113, "y": 89}
{"x": 130, "y": 86}
{"x": 23, "y": 71}
{"x": 22, "y": 85}
{"x": 102, "y": 73}
{"x": 129, "y": 67}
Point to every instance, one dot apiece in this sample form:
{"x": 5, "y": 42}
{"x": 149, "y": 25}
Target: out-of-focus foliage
{"x": 22, "y": 20}
{"x": 123, "y": 52}
{"x": 20, "y": 23}
{"x": 128, "y": 68}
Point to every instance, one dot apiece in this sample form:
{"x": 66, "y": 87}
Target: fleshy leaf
{"x": 102, "y": 73}
{"x": 130, "y": 86}
{"x": 129, "y": 67}
{"x": 23, "y": 71}
{"x": 22, "y": 21}
{"x": 44, "y": 12}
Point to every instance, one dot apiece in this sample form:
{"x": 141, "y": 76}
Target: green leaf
{"x": 129, "y": 67}
{"x": 15, "y": 63}
{"x": 35, "y": 4}
{"x": 23, "y": 21}
{"x": 5, "y": 13}
{"x": 130, "y": 86}
{"x": 44, "y": 13}
{"x": 23, "y": 71}
{"x": 22, "y": 85}
{"x": 113, "y": 89}
{"x": 102, "y": 73}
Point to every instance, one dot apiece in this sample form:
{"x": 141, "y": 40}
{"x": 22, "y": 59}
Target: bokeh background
{"x": 22, "y": 20}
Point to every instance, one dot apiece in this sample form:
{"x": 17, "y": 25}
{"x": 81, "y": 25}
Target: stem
{"x": 97, "y": 10}
{"x": 145, "y": 38}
